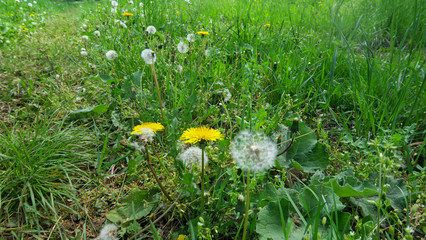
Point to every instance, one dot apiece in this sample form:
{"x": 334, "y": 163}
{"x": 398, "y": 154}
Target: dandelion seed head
{"x": 97, "y": 33}
{"x": 182, "y": 47}
{"x": 253, "y": 152}
{"x": 148, "y": 56}
{"x": 114, "y": 3}
{"x": 85, "y": 37}
{"x": 109, "y": 232}
{"x": 192, "y": 157}
{"x": 151, "y": 29}
{"x": 84, "y": 53}
{"x": 179, "y": 68}
{"x": 113, "y": 10}
{"x": 190, "y": 37}
{"x": 111, "y": 55}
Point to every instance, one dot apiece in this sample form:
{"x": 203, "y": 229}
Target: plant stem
{"x": 202, "y": 177}
{"x": 247, "y": 205}
{"x": 154, "y": 75}
{"x": 155, "y": 176}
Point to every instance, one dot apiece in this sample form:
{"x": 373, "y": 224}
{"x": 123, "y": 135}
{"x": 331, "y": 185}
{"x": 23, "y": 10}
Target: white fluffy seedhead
{"x": 253, "y": 152}
{"x": 192, "y": 157}
{"x": 148, "y": 56}
{"x": 108, "y": 232}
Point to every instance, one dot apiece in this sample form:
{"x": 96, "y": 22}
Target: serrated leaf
{"x": 269, "y": 225}
{"x": 347, "y": 185}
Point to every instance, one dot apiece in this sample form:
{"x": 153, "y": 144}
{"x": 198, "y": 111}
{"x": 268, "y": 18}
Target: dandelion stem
{"x": 287, "y": 148}
{"x": 154, "y": 75}
{"x": 202, "y": 177}
{"x": 156, "y": 177}
{"x": 247, "y": 205}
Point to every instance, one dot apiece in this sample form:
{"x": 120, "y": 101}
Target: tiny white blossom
{"x": 151, "y": 29}
{"x": 113, "y": 10}
{"x": 111, "y": 55}
{"x": 30, "y": 4}
{"x": 182, "y": 47}
{"x": 84, "y": 53}
{"x": 114, "y": 4}
{"x": 35, "y": 2}
{"x": 84, "y": 26}
{"x": 140, "y": 4}
{"x": 97, "y": 33}
{"x": 130, "y": 2}
{"x": 148, "y": 56}
{"x": 190, "y": 37}
{"x": 84, "y": 37}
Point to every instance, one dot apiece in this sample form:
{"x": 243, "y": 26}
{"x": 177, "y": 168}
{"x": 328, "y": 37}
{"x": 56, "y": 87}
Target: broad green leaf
{"x": 347, "y": 185}
{"x": 90, "y": 111}
{"x": 269, "y": 224}
{"x": 306, "y": 153}
{"x": 105, "y": 78}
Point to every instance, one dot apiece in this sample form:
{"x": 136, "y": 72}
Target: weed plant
{"x": 249, "y": 80}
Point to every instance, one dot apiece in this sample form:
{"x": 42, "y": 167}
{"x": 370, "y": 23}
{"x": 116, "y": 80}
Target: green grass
{"x": 351, "y": 70}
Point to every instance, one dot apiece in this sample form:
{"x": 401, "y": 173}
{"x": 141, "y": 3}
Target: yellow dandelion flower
{"x": 194, "y": 135}
{"x": 177, "y": 12}
{"x": 126, "y": 14}
{"x": 267, "y": 25}
{"x": 11, "y": 14}
{"x": 181, "y": 237}
{"x": 32, "y": 15}
{"x": 153, "y": 126}
{"x": 203, "y": 33}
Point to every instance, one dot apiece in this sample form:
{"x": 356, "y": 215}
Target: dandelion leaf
{"x": 306, "y": 152}
{"x": 347, "y": 185}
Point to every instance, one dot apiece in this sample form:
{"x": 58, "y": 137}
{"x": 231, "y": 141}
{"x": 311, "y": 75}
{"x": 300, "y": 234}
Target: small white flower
{"x": 35, "y": 2}
{"x": 151, "y": 29}
{"x": 182, "y": 47}
{"x": 92, "y": 66}
{"x": 97, "y": 33}
{"x": 113, "y": 10}
{"x": 188, "y": 1}
{"x": 30, "y": 4}
{"x": 17, "y": 1}
{"x": 192, "y": 157}
{"x": 7, "y": 41}
{"x": 148, "y": 56}
{"x": 190, "y": 37}
{"x": 84, "y": 26}
{"x": 111, "y": 55}
{"x": 114, "y": 4}
{"x": 84, "y": 53}
{"x": 352, "y": 233}
{"x": 82, "y": 49}
{"x": 109, "y": 232}
{"x": 253, "y": 151}
{"x": 409, "y": 229}
{"x": 130, "y": 2}
{"x": 84, "y": 37}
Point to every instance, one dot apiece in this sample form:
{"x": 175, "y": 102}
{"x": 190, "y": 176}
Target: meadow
{"x": 212, "y": 119}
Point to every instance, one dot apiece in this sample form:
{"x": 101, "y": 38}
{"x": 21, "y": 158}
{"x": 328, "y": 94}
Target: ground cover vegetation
{"x": 190, "y": 119}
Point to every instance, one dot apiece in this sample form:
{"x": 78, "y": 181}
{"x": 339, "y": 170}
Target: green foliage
{"x": 41, "y": 164}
